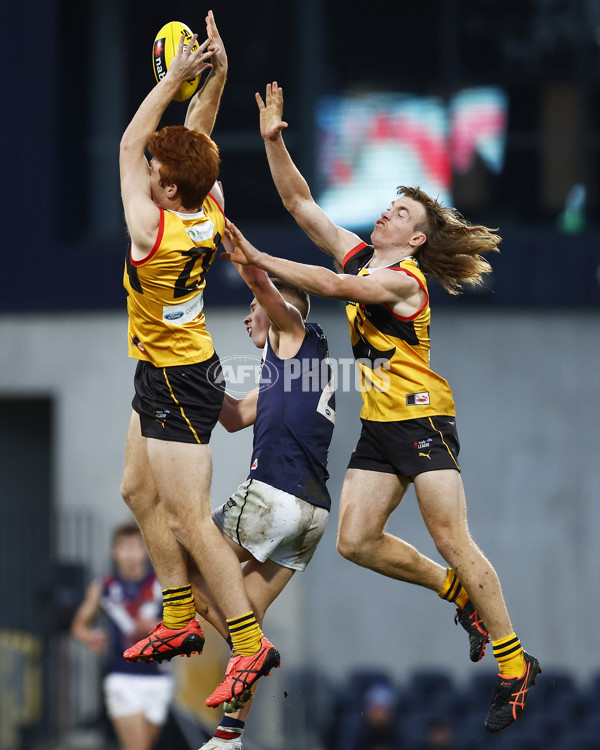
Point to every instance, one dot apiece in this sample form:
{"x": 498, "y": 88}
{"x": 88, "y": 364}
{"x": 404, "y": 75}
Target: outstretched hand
{"x": 219, "y": 58}
{"x": 188, "y": 64}
{"x": 271, "y": 111}
{"x": 239, "y": 249}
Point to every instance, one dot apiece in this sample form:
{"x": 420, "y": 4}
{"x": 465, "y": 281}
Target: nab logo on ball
{"x": 160, "y": 65}
{"x": 165, "y": 47}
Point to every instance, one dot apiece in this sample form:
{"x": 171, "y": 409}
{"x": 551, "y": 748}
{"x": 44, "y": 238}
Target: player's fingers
{"x": 259, "y": 100}
{"x": 211, "y": 23}
{"x": 204, "y": 44}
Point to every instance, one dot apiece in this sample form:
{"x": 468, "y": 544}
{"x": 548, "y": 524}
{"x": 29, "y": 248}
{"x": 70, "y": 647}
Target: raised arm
{"x": 204, "y": 106}
{"x": 141, "y": 213}
{"x": 291, "y": 185}
{"x": 287, "y": 330}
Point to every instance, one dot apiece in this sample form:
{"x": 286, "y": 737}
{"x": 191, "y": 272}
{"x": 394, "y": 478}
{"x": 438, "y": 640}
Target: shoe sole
{"x": 272, "y": 661}
{"x": 535, "y": 671}
{"x": 193, "y": 644}
{"x": 239, "y": 701}
{"x": 478, "y": 655}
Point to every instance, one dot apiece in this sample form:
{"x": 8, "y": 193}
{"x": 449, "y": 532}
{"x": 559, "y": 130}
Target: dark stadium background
{"x": 72, "y": 91}
{"x": 75, "y": 72}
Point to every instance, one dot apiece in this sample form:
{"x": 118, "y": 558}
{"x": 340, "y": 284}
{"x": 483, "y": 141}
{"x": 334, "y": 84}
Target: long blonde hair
{"x": 453, "y": 249}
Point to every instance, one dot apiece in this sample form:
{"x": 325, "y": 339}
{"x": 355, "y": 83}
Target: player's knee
{"x": 449, "y": 544}
{"x": 138, "y": 496}
{"x": 351, "y": 549}
{"x": 130, "y": 492}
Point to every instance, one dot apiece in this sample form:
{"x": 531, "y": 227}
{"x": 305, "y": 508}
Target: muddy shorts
{"x": 272, "y": 524}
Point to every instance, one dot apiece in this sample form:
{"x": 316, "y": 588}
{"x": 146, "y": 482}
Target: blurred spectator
{"x": 440, "y": 736}
{"x": 137, "y": 695}
{"x": 375, "y": 727}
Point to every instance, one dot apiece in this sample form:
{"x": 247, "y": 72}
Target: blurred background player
{"x": 276, "y": 518}
{"x": 137, "y": 696}
{"x": 174, "y": 214}
{"x": 408, "y": 416}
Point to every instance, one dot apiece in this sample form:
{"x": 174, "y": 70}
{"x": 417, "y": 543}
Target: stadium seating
{"x": 561, "y": 714}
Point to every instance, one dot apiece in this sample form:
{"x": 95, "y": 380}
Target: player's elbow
{"x": 299, "y": 206}
{"x": 230, "y": 425}
{"x": 335, "y": 287}
{"x": 292, "y": 204}
{"x": 125, "y": 145}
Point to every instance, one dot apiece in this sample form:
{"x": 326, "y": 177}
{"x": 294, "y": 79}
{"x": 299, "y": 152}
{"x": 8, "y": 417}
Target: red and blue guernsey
{"x": 123, "y": 602}
{"x": 294, "y": 420}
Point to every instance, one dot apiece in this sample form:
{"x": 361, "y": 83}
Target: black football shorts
{"x": 180, "y": 403}
{"x": 407, "y": 448}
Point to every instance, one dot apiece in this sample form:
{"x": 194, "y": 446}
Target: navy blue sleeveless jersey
{"x": 294, "y": 420}
{"x": 122, "y": 601}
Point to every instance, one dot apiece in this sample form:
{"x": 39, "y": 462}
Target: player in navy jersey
{"x": 137, "y": 695}
{"x": 275, "y": 519}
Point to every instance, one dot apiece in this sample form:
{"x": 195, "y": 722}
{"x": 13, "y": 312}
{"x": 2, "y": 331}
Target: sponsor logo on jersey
{"x": 254, "y": 464}
{"x": 201, "y": 232}
{"x": 417, "y": 399}
{"x": 185, "y": 312}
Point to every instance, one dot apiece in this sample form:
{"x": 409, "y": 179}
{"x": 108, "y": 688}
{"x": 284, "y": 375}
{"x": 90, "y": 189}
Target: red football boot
{"x": 243, "y": 671}
{"x": 163, "y": 643}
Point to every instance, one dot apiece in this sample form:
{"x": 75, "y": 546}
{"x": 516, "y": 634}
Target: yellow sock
{"x": 178, "y": 607}
{"x": 508, "y": 652}
{"x": 245, "y": 634}
{"x": 453, "y": 590}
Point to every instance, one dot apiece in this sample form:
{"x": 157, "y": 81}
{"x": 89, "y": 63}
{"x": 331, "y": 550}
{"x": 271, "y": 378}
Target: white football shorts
{"x": 272, "y": 524}
{"x": 128, "y": 694}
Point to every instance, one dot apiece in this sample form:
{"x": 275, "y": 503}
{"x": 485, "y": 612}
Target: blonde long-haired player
{"x": 408, "y": 417}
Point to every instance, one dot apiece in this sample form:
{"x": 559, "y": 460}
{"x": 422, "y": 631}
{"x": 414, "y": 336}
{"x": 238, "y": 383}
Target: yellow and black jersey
{"x": 165, "y": 290}
{"x": 392, "y": 352}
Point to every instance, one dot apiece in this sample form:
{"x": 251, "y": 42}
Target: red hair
{"x": 187, "y": 159}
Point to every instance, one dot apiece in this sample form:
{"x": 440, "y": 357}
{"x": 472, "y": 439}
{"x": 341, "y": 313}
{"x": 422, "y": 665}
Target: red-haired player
{"x": 174, "y": 214}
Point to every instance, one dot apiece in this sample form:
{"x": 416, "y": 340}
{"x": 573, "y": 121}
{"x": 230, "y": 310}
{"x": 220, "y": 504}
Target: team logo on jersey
{"x": 254, "y": 464}
{"x": 136, "y": 342}
{"x": 160, "y": 416}
{"x": 417, "y": 399}
{"x": 201, "y": 232}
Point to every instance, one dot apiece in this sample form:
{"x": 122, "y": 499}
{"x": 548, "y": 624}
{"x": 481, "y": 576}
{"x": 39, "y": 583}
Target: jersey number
{"x": 195, "y": 254}
{"x": 323, "y": 406}
{"x": 364, "y": 351}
